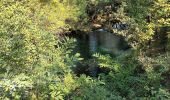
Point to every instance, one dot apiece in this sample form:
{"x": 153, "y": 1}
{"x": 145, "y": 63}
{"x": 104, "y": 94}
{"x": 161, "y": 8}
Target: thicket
{"x": 31, "y": 66}
{"x": 36, "y": 64}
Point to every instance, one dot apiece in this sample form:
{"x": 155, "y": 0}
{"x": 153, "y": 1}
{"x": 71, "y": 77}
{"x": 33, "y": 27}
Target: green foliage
{"x": 107, "y": 62}
{"x": 90, "y": 89}
{"x": 28, "y": 46}
{"x": 149, "y": 16}
{"x": 15, "y": 87}
{"x": 36, "y": 64}
{"x": 128, "y": 81}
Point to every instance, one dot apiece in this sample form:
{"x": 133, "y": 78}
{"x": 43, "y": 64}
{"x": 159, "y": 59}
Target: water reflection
{"x": 99, "y": 41}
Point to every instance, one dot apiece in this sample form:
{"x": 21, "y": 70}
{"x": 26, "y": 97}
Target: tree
{"x": 28, "y": 57}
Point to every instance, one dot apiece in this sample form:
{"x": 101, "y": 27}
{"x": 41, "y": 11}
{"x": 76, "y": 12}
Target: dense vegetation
{"x": 38, "y": 63}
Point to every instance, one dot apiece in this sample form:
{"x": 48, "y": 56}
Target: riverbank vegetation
{"x": 38, "y": 61}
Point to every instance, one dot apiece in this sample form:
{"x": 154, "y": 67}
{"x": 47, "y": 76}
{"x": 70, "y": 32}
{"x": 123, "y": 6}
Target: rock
{"x": 96, "y": 25}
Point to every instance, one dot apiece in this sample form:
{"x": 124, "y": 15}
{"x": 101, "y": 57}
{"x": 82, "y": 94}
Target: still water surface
{"x": 99, "y": 41}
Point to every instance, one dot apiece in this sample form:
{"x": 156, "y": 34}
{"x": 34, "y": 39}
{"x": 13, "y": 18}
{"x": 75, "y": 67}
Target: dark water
{"x": 97, "y": 41}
